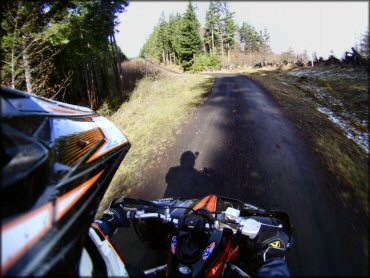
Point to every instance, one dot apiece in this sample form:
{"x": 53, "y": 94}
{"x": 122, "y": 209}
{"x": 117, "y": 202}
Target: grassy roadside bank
{"x": 346, "y": 160}
{"x": 151, "y": 118}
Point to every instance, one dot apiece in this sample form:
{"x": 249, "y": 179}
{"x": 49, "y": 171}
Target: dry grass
{"x": 135, "y": 70}
{"x": 342, "y": 157}
{"x": 132, "y": 71}
{"x": 151, "y": 118}
{"x": 173, "y": 67}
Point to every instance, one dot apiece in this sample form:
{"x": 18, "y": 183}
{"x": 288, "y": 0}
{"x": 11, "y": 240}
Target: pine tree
{"x": 249, "y": 38}
{"x": 230, "y": 29}
{"x": 164, "y": 38}
{"x": 152, "y": 49}
{"x": 175, "y": 23}
{"x": 190, "y": 40}
{"x": 212, "y": 28}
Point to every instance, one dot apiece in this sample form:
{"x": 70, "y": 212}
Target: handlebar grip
{"x": 130, "y": 214}
{"x": 250, "y": 227}
{"x": 277, "y": 214}
{"x": 116, "y": 202}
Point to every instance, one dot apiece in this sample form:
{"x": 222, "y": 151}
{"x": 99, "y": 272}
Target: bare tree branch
{"x": 64, "y": 84}
{"x": 40, "y": 65}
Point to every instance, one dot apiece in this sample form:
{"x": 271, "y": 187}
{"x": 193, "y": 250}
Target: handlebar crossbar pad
{"x": 131, "y": 201}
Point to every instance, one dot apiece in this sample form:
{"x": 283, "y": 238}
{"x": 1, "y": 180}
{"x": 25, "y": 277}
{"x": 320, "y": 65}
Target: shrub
{"x": 206, "y": 62}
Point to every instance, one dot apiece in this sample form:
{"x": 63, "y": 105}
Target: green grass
{"x": 155, "y": 113}
{"x": 346, "y": 161}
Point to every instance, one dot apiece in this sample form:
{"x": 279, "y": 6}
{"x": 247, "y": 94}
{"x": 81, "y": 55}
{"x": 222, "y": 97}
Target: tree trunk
{"x": 93, "y": 86}
{"x": 90, "y": 81}
{"x": 105, "y": 90}
{"x": 312, "y": 60}
{"x": 88, "y": 89}
{"x": 26, "y": 64}
{"x": 96, "y": 77}
{"x": 12, "y": 62}
{"x": 228, "y": 56}
{"x": 118, "y": 64}
{"x": 115, "y": 65}
{"x": 213, "y": 43}
{"x": 222, "y": 46}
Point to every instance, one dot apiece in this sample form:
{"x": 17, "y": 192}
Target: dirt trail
{"x": 252, "y": 152}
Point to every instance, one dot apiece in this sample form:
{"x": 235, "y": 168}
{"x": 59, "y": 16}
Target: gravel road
{"x": 251, "y": 151}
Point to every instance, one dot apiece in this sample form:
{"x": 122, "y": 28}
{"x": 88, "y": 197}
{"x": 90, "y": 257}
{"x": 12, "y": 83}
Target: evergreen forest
{"x": 180, "y": 39}
{"x": 63, "y": 49}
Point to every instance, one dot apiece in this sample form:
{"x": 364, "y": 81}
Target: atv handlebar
{"x": 245, "y": 225}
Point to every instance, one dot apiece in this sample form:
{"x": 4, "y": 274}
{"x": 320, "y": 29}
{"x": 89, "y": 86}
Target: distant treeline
{"x": 221, "y": 43}
{"x": 181, "y": 40}
{"x": 62, "y": 49}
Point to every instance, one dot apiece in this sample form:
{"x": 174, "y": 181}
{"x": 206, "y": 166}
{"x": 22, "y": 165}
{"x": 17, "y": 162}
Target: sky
{"x": 312, "y": 26}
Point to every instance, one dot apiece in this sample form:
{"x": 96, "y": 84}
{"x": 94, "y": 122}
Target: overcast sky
{"x": 311, "y": 26}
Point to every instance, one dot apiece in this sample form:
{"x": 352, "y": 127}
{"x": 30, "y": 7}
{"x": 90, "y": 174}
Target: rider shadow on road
{"x": 186, "y": 181}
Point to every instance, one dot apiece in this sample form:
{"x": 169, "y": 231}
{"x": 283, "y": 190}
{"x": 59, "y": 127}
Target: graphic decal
{"x": 275, "y": 244}
{"x": 173, "y": 245}
{"x": 208, "y": 251}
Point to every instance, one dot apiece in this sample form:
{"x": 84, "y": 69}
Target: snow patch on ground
{"x": 329, "y": 73}
{"x": 361, "y": 138}
{"x": 326, "y": 101}
{"x": 285, "y": 83}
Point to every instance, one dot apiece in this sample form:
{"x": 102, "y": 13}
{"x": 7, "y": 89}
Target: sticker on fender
{"x": 208, "y": 251}
{"x": 173, "y": 245}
